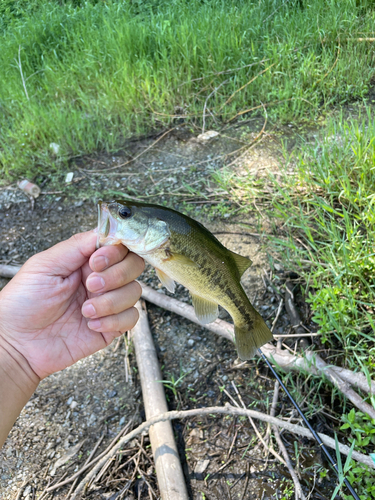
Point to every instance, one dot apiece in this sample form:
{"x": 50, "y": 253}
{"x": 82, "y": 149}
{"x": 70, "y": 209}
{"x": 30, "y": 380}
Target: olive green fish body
{"x": 183, "y": 250}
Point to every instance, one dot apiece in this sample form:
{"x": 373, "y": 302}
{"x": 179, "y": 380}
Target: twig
{"x": 135, "y": 157}
{"x": 244, "y": 86}
{"x": 19, "y": 493}
{"x": 246, "y": 481}
{"x": 19, "y": 64}
{"x": 259, "y": 436}
{"x": 223, "y": 410}
{"x": 277, "y": 315}
{"x": 247, "y": 147}
{"x": 85, "y": 467}
{"x": 297, "y": 485}
{"x": 266, "y": 104}
{"x": 89, "y": 458}
{"x": 205, "y": 103}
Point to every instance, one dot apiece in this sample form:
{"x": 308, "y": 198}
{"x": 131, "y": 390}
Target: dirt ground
{"x": 71, "y": 410}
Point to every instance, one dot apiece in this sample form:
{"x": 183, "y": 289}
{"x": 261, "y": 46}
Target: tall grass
{"x": 97, "y": 72}
{"x": 328, "y": 212}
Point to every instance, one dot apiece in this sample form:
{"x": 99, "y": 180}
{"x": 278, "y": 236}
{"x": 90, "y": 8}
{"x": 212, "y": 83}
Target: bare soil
{"x": 90, "y": 399}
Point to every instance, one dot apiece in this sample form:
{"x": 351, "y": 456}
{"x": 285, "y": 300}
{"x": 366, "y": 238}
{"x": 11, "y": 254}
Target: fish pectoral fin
{"x": 166, "y": 280}
{"x": 250, "y": 338}
{"x": 205, "y": 310}
{"x": 242, "y": 263}
{"x": 181, "y": 259}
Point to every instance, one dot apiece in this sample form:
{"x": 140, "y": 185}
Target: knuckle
{"x": 107, "y": 303}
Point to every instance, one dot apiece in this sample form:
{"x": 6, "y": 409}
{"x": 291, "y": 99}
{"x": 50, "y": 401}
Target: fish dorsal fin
{"x": 242, "y": 263}
{"x": 166, "y": 281}
{"x": 205, "y": 310}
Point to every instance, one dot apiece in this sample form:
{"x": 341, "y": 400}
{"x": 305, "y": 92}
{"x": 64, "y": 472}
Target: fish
{"x": 182, "y": 250}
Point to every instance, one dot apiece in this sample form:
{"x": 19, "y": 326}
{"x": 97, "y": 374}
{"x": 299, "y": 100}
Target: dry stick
{"x": 135, "y": 157}
{"x": 19, "y": 64}
{"x": 205, "y": 103}
{"x": 266, "y": 104}
{"x": 167, "y": 463}
{"x": 310, "y": 363}
{"x": 268, "y": 448}
{"x": 254, "y": 141}
{"x": 222, "y": 410}
{"x": 259, "y": 436}
{"x": 85, "y": 467}
{"x": 297, "y": 485}
{"x": 90, "y": 457}
{"x": 244, "y": 86}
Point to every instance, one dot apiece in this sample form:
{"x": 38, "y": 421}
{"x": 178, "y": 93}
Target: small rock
{"x": 122, "y": 421}
{"x": 27, "y": 490}
{"x": 9, "y": 452}
{"x": 200, "y": 467}
{"x": 70, "y": 401}
{"x": 73, "y": 405}
{"x": 207, "y": 136}
{"x": 191, "y": 342}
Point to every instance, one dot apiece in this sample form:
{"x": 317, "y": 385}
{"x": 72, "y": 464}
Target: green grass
{"x": 328, "y": 211}
{"x": 97, "y": 72}
{"x": 321, "y": 206}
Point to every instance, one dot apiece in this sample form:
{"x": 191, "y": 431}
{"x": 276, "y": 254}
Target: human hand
{"x": 43, "y": 309}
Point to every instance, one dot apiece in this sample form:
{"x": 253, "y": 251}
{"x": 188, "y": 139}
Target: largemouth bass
{"x": 182, "y": 250}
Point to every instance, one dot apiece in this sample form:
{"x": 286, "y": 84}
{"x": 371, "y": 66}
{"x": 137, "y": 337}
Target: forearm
{"x": 17, "y": 384}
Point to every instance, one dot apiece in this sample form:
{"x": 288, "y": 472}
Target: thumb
{"x": 65, "y": 257}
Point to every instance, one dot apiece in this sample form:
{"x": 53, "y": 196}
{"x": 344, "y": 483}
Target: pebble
{"x": 191, "y": 342}
{"x": 27, "y": 490}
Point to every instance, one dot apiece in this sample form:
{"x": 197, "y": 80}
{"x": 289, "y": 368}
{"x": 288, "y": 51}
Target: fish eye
{"x": 124, "y": 212}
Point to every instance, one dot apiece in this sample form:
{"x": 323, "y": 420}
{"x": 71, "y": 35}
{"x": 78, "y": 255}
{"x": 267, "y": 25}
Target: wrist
{"x": 17, "y": 384}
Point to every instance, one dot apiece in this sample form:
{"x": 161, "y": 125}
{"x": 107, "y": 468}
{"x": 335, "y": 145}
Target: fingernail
{"x": 88, "y": 310}
{"x": 100, "y": 263}
{"x": 95, "y": 324}
{"x": 95, "y": 283}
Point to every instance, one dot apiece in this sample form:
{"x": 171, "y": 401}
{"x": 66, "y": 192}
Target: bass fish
{"x": 181, "y": 249}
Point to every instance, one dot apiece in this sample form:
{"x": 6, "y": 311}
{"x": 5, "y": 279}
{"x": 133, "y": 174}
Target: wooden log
{"x": 167, "y": 462}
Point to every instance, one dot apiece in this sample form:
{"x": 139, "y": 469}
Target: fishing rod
{"x": 316, "y": 436}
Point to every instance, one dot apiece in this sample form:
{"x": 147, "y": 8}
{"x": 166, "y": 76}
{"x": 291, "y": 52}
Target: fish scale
{"x": 182, "y": 250}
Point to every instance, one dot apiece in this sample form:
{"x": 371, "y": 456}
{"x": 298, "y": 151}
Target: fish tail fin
{"x": 250, "y": 338}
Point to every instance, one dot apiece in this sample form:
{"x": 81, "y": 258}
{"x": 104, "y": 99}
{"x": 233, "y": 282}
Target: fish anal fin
{"x": 250, "y": 338}
{"x": 166, "y": 280}
{"x": 242, "y": 263}
{"x": 205, "y": 310}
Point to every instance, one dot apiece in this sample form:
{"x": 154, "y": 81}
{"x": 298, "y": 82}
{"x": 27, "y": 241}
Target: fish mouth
{"x": 107, "y": 227}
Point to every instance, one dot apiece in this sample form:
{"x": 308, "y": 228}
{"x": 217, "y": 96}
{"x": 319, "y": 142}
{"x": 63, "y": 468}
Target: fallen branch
{"x": 222, "y": 410}
{"x": 310, "y": 363}
{"x": 167, "y": 462}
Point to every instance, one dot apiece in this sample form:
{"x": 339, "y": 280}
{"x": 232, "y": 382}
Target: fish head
{"x": 131, "y": 224}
